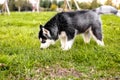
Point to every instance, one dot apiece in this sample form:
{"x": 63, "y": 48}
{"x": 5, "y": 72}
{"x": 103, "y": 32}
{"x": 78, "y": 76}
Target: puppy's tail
{"x": 107, "y": 10}
{"x": 98, "y": 12}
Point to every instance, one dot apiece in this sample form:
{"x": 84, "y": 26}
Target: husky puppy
{"x": 66, "y": 25}
{"x": 106, "y": 9}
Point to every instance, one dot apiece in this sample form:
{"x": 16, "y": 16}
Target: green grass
{"x": 21, "y": 58}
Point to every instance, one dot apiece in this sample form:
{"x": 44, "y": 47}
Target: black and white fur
{"x": 66, "y": 25}
{"x": 106, "y": 9}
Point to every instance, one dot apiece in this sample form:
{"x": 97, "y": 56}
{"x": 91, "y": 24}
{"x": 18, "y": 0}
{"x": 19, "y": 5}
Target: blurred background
{"x": 54, "y": 5}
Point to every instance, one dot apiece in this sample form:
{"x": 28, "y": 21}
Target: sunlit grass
{"x": 20, "y": 56}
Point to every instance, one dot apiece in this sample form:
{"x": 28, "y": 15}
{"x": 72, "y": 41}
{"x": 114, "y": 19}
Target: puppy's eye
{"x": 45, "y": 35}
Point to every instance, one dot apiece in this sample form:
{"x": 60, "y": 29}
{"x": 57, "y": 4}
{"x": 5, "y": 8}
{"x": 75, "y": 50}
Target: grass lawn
{"x": 21, "y": 58}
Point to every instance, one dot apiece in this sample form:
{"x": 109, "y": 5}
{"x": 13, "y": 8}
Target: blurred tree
{"x": 54, "y": 2}
{"x": 27, "y": 6}
{"x": 19, "y": 4}
{"x": 60, "y": 4}
{"x": 12, "y": 5}
{"x": 85, "y": 5}
{"x": 109, "y": 2}
{"x": 94, "y": 4}
{"x": 53, "y": 7}
{"x": 45, "y": 3}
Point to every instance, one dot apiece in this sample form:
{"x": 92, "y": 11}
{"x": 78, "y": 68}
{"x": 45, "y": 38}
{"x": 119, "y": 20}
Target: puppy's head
{"x": 45, "y": 37}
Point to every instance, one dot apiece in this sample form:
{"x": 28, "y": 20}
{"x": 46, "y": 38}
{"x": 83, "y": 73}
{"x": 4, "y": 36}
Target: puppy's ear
{"x": 41, "y": 26}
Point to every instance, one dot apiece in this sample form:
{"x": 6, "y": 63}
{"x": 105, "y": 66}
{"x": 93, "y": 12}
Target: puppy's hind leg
{"x": 97, "y": 35}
